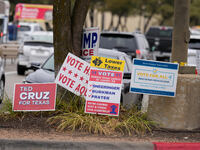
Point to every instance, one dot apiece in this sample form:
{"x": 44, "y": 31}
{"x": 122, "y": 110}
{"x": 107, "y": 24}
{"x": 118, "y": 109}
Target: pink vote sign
{"x": 34, "y": 97}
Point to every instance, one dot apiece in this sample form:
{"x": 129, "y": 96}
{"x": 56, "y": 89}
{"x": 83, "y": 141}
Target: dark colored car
{"x": 160, "y": 42}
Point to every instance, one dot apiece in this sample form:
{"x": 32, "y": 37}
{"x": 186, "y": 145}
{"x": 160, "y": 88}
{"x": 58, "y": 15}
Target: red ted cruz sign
{"x": 34, "y": 97}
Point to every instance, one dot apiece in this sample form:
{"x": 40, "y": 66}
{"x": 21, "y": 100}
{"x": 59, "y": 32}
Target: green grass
{"x": 69, "y": 115}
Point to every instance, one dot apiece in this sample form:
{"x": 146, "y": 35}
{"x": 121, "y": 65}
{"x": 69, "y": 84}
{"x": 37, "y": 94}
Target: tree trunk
{"x": 62, "y": 31}
{"x": 78, "y": 18}
{"x": 119, "y": 23}
{"x": 68, "y": 21}
{"x": 181, "y": 34}
{"x": 147, "y": 22}
{"x": 102, "y": 20}
{"x": 111, "y": 23}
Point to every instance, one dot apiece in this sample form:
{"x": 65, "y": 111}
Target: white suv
{"x": 25, "y": 29}
{"x": 34, "y": 51}
{"x": 133, "y": 44}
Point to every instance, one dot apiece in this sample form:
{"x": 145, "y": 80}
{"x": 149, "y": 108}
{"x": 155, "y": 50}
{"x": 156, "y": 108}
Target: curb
{"x": 46, "y": 145}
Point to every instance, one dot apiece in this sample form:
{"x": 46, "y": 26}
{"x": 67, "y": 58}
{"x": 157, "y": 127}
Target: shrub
{"x": 69, "y": 115}
{"x": 130, "y": 121}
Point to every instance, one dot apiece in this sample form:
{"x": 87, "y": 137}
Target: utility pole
{"x": 181, "y": 33}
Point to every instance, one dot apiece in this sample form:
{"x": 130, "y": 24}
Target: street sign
{"x": 34, "y": 97}
{"x": 90, "y": 42}
{"x": 107, "y": 63}
{"x": 154, "y": 77}
{"x": 73, "y": 75}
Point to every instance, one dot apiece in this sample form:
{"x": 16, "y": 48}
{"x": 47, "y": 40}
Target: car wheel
{"x": 20, "y": 69}
{"x": 2, "y": 88}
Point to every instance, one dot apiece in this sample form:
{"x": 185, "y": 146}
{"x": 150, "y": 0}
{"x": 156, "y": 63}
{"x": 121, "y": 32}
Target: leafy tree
{"x": 119, "y": 8}
{"x": 194, "y": 12}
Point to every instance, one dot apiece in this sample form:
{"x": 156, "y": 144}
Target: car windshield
{"x": 45, "y": 38}
{"x": 194, "y": 44}
{"x": 38, "y": 43}
{"x": 159, "y": 32}
{"x": 49, "y": 64}
{"x": 24, "y": 28}
{"x": 120, "y": 42}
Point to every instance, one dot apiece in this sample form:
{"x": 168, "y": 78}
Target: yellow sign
{"x": 107, "y": 63}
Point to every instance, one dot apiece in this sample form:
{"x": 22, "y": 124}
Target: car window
{"x": 37, "y": 28}
{"x": 108, "y": 56}
{"x": 45, "y": 38}
{"x": 24, "y": 28}
{"x": 49, "y": 64}
{"x": 194, "y": 44}
{"x": 128, "y": 64}
{"x": 33, "y": 43}
{"x": 119, "y": 41}
{"x": 159, "y": 32}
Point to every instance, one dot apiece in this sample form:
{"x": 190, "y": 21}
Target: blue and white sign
{"x": 154, "y": 77}
{"x": 90, "y": 42}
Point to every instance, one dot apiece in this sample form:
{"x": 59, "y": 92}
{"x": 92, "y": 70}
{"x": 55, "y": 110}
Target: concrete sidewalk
{"x": 46, "y": 145}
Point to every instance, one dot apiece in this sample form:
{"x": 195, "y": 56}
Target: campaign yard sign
{"x": 34, "y": 97}
{"x": 107, "y": 63}
{"x": 154, "y": 77}
{"x": 73, "y": 75}
{"x": 104, "y": 92}
{"x": 90, "y": 42}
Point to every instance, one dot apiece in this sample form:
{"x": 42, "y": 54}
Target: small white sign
{"x": 73, "y": 75}
{"x": 154, "y": 77}
{"x": 90, "y": 42}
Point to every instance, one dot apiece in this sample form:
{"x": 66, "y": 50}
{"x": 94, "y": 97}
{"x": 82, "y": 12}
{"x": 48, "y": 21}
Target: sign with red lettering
{"x": 34, "y": 97}
{"x": 104, "y": 92}
{"x": 73, "y": 75}
{"x": 90, "y": 42}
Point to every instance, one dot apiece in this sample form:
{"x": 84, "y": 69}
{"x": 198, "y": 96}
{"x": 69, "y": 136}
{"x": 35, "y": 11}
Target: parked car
{"x": 194, "y": 52}
{"x": 25, "y": 29}
{"x": 160, "y": 41}
{"x": 133, "y": 44}
{"x": 2, "y": 80}
{"x": 34, "y": 51}
{"x": 46, "y": 74}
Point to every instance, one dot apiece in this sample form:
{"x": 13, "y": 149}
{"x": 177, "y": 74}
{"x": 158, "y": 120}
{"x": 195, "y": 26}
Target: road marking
{"x": 11, "y": 72}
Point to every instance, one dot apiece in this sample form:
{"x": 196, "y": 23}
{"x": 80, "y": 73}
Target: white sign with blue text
{"x": 90, "y": 42}
{"x": 154, "y": 77}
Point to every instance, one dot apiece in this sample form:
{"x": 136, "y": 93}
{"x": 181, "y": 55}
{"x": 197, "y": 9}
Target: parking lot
{"x": 11, "y": 78}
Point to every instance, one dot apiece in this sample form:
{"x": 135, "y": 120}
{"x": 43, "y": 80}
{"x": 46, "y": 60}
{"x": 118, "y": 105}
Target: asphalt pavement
{"x": 72, "y": 145}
